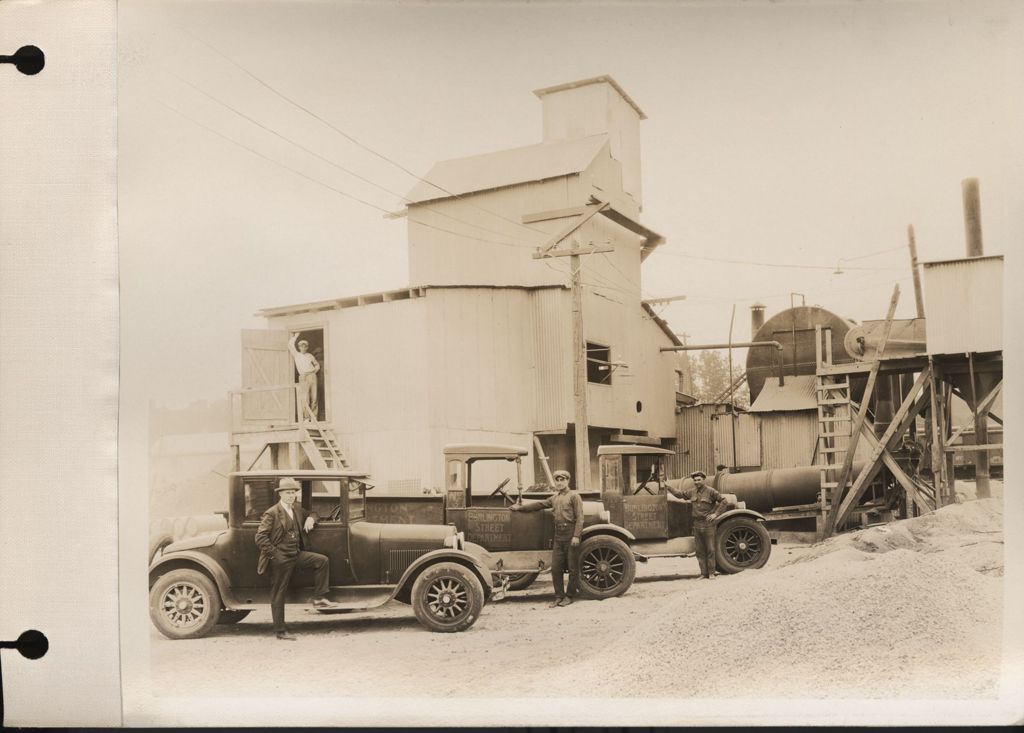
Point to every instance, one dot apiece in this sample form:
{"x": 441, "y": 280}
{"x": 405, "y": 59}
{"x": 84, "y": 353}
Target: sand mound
{"x": 903, "y": 611}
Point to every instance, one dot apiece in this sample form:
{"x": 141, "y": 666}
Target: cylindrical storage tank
{"x": 763, "y": 491}
{"x": 794, "y": 328}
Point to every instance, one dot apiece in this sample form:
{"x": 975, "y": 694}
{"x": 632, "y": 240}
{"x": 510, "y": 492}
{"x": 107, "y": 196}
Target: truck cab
{"x": 482, "y": 482}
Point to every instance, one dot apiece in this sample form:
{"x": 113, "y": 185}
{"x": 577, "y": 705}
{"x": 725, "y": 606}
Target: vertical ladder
{"x": 835, "y": 423}
{"x": 320, "y": 443}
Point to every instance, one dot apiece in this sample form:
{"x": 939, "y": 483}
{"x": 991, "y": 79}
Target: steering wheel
{"x": 642, "y": 486}
{"x": 335, "y": 515}
{"x": 500, "y": 487}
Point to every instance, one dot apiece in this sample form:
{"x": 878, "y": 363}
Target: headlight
{"x": 456, "y": 541}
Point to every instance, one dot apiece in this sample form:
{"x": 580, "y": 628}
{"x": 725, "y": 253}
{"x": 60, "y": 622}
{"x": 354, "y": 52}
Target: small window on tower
{"x": 599, "y": 363}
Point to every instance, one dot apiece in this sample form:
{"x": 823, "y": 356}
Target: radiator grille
{"x": 398, "y": 561}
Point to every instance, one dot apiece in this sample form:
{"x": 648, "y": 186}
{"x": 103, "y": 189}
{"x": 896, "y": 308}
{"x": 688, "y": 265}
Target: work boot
{"x": 567, "y": 601}
{"x": 285, "y": 636}
{"x": 322, "y": 604}
{"x": 556, "y": 603}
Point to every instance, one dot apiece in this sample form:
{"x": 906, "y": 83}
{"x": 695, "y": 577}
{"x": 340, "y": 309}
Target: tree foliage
{"x": 711, "y": 377}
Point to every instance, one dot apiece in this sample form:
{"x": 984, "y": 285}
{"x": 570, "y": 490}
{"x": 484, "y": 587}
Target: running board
{"x": 675, "y": 547}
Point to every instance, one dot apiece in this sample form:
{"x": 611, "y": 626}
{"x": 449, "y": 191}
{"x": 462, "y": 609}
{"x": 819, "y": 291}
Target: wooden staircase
{"x": 320, "y": 443}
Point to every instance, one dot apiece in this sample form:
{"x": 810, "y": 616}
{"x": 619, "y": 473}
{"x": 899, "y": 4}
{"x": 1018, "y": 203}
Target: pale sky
{"x": 790, "y": 133}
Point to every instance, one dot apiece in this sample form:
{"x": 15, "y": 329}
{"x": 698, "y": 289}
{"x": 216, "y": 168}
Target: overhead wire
{"x": 335, "y": 164}
{"x": 346, "y": 135}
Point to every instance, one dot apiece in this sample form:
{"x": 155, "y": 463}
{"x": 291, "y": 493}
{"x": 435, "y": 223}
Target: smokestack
{"x": 972, "y": 217}
{"x": 756, "y": 319}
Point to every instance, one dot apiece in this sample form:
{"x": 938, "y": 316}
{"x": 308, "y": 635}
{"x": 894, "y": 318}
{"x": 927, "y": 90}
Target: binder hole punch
{"x": 31, "y": 644}
{"x": 28, "y": 60}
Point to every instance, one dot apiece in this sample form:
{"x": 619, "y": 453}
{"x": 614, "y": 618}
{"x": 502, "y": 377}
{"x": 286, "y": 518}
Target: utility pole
{"x": 581, "y": 421}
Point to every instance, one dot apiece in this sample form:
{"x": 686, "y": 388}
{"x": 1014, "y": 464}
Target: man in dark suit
{"x": 281, "y": 542}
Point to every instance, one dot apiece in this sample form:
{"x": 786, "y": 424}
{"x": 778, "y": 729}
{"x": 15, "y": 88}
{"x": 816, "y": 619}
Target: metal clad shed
{"x": 964, "y": 305}
{"x": 695, "y": 439}
{"x": 788, "y": 418}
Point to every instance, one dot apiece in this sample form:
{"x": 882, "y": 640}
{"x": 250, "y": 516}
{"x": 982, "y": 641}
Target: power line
{"x": 327, "y": 160}
{"x": 348, "y": 137}
{"x": 272, "y": 160}
{"x": 768, "y": 264}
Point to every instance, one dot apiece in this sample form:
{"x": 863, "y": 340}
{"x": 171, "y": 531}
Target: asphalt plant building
{"x": 480, "y": 347}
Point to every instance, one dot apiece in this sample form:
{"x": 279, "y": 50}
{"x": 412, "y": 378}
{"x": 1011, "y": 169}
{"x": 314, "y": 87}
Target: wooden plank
{"x": 894, "y": 429}
{"x": 973, "y": 448}
{"x": 591, "y": 211}
{"x": 844, "y": 474}
{"x": 554, "y": 214}
{"x": 985, "y": 404}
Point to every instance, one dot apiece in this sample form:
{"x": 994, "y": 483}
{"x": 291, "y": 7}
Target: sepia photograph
{"x": 564, "y": 363}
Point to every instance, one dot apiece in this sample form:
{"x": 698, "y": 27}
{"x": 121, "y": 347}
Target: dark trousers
{"x": 281, "y": 574}
{"x": 565, "y": 557}
{"x": 704, "y": 534}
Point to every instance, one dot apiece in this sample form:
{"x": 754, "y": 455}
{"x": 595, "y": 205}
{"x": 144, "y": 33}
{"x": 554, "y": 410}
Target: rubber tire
{"x": 620, "y": 549}
{"x": 461, "y": 578}
{"x": 232, "y": 617}
{"x": 206, "y": 590}
{"x": 157, "y": 544}
{"x": 752, "y": 530}
{"x": 521, "y": 581}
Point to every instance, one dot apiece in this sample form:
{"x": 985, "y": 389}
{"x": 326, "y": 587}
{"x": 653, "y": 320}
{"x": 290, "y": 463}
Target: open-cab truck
{"x": 519, "y": 543}
{"x": 635, "y": 492}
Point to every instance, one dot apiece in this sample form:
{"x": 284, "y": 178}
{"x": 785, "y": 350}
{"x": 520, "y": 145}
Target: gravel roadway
{"x": 880, "y": 614}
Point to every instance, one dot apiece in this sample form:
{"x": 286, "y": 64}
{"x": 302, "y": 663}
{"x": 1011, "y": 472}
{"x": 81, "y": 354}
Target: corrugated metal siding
{"x": 551, "y": 371}
{"x": 964, "y": 305}
{"x": 788, "y": 439}
{"x": 695, "y": 440}
{"x": 748, "y": 440}
{"x": 480, "y": 359}
{"x": 476, "y": 240}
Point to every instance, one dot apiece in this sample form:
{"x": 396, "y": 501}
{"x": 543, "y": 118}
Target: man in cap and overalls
{"x": 567, "y": 511}
{"x": 282, "y": 545}
{"x": 707, "y": 505}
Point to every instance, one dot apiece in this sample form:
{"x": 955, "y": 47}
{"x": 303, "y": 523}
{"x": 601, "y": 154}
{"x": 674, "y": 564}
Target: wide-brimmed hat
{"x": 288, "y": 484}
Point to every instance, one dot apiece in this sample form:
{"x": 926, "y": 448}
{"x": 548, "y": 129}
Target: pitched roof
{"x": 506, "y": 168}
{"x": 798, "y": 393}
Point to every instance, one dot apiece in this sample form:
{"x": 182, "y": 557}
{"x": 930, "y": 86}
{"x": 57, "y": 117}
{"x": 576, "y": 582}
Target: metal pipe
{"x": 972, "y": 216}
{"x": 732, "y": 403}
{"x": 704, "y": 347}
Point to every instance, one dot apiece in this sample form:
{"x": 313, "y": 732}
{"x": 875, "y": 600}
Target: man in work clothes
{"x": 567, "y": 511}
{"x": 307, "y": 366}
{"x": 280, "y": 539}
{"x": 707, "y": 505}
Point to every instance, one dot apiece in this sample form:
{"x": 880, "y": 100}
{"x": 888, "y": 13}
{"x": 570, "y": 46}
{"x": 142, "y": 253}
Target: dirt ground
{"x": 901, "y": 611}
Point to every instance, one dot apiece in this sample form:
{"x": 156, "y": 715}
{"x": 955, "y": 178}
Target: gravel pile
{"x": 908, "y": 610}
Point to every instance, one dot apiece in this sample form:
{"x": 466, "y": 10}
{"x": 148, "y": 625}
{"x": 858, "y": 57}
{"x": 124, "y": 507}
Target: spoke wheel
{"x": 607, "y": 567}
{"x": 741, "y": 543}
{"x": 184, "y": 604}
{"x": 447, "y": 597}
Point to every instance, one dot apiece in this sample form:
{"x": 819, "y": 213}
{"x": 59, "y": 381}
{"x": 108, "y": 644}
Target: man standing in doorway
{"x": 707, "y": 505}
{"x": 307, "y": 366}
{"x": 280, "y": 539}
{"x": 567, "y": 511}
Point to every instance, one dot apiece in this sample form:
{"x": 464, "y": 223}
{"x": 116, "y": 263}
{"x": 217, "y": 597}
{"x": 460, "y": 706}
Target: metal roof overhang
{"x": 633, "y": 450}
{"x": 485, "y": 450}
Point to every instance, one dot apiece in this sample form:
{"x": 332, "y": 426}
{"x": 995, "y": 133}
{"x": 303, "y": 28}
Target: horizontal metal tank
{"x": 794, "y": 328}
{"x": 765, "y": 490}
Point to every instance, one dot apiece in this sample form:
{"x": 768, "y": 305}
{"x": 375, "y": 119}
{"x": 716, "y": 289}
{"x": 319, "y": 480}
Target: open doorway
{"x": 314, "y": 338}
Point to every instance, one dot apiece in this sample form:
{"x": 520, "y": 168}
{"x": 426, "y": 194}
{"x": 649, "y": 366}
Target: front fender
{"x": 756, "y": 516}
{"x": 403, "y": 588}
{"x": 612, "y": 529}
{"x": 186, "y": 559}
